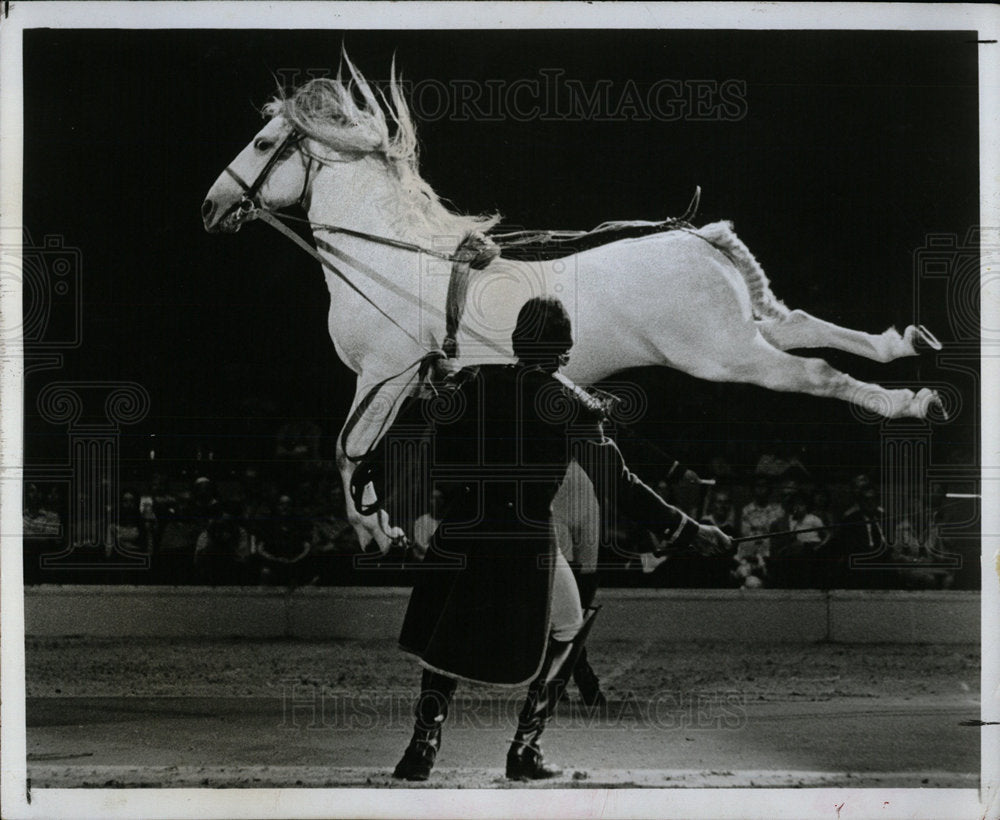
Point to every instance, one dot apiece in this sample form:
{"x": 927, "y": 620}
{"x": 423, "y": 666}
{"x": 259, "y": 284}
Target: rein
{"x": 475, "y": 251}
{"x": 249, "y": 206}
{"x": 271, "y": 219}
{"x": 381, "y": 240}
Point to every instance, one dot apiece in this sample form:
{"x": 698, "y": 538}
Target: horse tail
{"x": 765, "y": 304}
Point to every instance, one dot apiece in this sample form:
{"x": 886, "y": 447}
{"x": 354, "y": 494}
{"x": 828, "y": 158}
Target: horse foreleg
{"x": 798, "y": 329}
{"x": 364, "y": 431}
{"x": 369, "y": 528}
{"x": 776, "y": 370}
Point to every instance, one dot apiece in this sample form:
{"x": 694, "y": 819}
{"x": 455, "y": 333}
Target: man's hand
{"x": 711, "y": 542}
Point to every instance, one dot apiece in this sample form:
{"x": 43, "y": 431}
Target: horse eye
{"x": 263, "y": 144}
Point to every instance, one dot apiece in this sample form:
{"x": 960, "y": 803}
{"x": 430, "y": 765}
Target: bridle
{"x": 248, "y": 202}
{"x": 249, "y": 207}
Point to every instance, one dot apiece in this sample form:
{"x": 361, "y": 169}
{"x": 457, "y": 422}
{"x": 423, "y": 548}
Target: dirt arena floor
{"x": 337, "y": 713}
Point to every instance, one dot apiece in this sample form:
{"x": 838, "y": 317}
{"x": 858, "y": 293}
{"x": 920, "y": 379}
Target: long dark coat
{"x": 500, "y": 448}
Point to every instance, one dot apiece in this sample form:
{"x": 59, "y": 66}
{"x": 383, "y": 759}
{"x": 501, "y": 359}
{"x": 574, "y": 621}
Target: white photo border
{"x": 188, "y": 803}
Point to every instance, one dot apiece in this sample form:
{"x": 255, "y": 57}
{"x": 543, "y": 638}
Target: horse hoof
{"x": 921, "y": 339}
{"x": 929, "y": 405}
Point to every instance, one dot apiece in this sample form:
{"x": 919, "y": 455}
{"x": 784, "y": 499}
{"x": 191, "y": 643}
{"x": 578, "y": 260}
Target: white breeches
{"x": 566, "y": 616}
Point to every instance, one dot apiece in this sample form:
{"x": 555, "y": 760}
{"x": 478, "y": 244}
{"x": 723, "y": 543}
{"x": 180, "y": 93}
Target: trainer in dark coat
{"x": 494, "y": 600}
{"x": 480, "y": 606}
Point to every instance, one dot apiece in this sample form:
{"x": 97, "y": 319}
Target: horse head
{"x": 357, "y": 164}
{"x": 327, "y": 124}
{"x": 272, "y": 171}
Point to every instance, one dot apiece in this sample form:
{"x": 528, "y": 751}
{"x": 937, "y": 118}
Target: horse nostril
{"x": 206, "y": 209}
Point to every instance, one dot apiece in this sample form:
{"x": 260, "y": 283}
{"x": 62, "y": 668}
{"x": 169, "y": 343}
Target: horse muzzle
{"x": 231, "y": 220}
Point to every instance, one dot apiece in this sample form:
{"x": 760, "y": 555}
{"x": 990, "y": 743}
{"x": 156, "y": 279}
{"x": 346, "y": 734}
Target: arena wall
{"x": 669, "y": 615}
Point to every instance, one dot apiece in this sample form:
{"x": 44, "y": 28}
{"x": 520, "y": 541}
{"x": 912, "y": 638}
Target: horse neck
{"x": 368, "y": 201}
{"x": 364, "y": 197}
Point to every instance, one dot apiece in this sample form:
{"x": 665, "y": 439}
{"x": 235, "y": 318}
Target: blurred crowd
{"x": 791, "y": 534}
{"x": 283, "y": 522}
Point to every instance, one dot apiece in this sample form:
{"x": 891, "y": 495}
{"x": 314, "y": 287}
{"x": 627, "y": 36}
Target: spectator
{"x": 793, "y": 555}
{"x": 788, "y": 488}
{"x": 648, "y": 561}
{"x": 175, "y": 555}
{"x": 711, "y": 572}
{"x": 833, "y": 559}
{"x": 721, "y": 513}
{"x": 782, "y": 461}
{"x": 940, "y": 548}
{"x": 750, "y": 572}
{"x": 720, "y": 469}
{"x": 820, "y": 506}
{"x": 331, "y": 531}
{"x": 255, "y": 492}
{"x": 756, "y": 518}
{"x": 159, "y": 507}
{"x": 222, "y": 550}
{"x": 131, "y": 534}
{"x": 54, "y": 502}
{"x": 860, "y": 484}
{"x": 284, "y": 547}
{"x": 687, "y": 569}
{"x": 204, "y": 507}
{"x": 42, "y": 529}
{"x": 38, "y": 521}
{"x": 86, "y": 543}
{"x": 860, "y": 540}
{"x": 333, "y": 539}
{"x": 922, "y": 558}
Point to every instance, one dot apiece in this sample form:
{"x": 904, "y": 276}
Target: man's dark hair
{"x": 543, "y": 330}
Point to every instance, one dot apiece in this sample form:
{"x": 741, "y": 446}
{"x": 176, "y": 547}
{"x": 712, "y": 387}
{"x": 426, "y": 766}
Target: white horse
{"x": 696, "y": 300}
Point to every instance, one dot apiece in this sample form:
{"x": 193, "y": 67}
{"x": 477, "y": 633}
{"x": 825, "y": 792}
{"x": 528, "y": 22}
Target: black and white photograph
{"x": 499, "y": 410}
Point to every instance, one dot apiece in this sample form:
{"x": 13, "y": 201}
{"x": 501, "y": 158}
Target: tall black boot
{"x": 430, "y": 713}
{"x": 588, "y": 683}
{"x": 584, "y": 677}
{"x": 524, "y": 759}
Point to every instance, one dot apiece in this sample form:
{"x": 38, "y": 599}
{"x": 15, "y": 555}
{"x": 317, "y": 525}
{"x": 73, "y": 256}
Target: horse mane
{"x": 350, "y": 118}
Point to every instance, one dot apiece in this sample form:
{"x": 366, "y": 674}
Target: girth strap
{"x": 475, "y": 251}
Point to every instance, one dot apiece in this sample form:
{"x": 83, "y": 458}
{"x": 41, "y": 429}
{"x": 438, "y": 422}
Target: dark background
{"x": 855, "y": 146}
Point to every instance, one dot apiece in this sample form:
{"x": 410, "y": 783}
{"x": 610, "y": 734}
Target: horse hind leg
{"x": 777, "y": 370}
{"x": 798, "y": 329}
{"x": 788, "y": 329}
